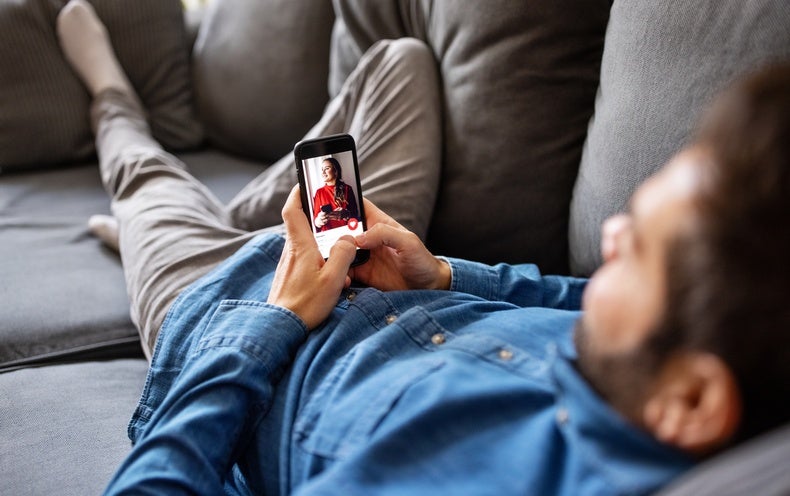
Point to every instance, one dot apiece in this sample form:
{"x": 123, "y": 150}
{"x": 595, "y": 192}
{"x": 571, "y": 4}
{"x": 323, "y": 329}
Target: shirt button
{"x": 562, "y": 416}
{"x": 438, "y": 339}
{"x": 505, "y": 354}
{"x": 391, "y": 319}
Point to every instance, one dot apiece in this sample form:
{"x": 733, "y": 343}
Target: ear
{"x": 694, "y": 404}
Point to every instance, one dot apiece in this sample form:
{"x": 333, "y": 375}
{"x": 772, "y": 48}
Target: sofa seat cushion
{"x": 62, "y": 293}
{"x": 63, "y": 427}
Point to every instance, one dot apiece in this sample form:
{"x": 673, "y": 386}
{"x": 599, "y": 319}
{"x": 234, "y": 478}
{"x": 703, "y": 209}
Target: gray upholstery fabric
{"x": 63, "y": 428}
{"x": 664, "y": 60}
{"x": 260, "y": 73}
{"x": 519, "y": 84}
{"x": 759, "y": 467}
{"x": 62, "y": 292}
{"x": 45, "y": 120}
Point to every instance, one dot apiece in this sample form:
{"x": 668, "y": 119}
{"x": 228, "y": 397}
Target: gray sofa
{"x": 553, "y": 112}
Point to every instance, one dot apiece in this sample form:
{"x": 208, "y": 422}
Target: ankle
{"x": 86, "y": 46}
{"x": 105, "y": 227}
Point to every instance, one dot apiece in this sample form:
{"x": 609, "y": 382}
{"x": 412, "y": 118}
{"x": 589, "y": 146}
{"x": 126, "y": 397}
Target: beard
{"x": 623, "y": 379}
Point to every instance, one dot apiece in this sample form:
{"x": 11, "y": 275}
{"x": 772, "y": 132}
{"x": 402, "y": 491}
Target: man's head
{"x": 687, "y": 324}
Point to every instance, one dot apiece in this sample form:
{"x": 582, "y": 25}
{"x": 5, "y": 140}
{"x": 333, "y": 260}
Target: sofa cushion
{"x": 45, "y": 117}
{"x": 663, "y": 62}
{"x": 63, "y": 428}
{"x": 755, "y": 467}
{"x": 519, "y": 81}
{"x": 62, "y": 293}
{"x": 260, "y": 73}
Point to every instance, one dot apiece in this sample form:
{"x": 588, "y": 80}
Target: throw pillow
{"x": 260, "y": 71}
{"x": 519, "y": 81}
{"x": 45, "y": 116}
{"x": 663, "y": 61}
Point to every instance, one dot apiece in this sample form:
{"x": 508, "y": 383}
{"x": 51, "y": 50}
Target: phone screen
{"x": 331, "y": 192}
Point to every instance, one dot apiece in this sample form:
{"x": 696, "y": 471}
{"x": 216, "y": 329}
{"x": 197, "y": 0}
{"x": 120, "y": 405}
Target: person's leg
{"x": 391, "y": 106}
{"x": 172, "y": 230}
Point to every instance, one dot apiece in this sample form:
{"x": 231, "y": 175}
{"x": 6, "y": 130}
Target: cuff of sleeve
{"x": 473, "y": 278}
{"x": 267, "y": 332}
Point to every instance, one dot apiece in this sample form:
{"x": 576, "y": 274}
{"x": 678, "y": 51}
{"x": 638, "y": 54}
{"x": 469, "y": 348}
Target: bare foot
{"x": 105, "y": 227}
{"x": 86, "y": 45}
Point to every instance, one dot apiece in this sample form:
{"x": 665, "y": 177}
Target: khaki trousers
{"x": 173, "y": 229}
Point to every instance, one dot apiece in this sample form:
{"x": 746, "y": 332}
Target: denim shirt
{"x": 467, "y": 391}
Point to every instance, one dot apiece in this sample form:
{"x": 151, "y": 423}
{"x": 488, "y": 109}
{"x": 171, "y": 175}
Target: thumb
{"x": 340, "y": 257}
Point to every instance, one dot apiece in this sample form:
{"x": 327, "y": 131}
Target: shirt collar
{"x": 602, "y": 434}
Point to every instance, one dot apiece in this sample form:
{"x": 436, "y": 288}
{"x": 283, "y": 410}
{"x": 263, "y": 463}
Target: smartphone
{"x": 331, "y": 192}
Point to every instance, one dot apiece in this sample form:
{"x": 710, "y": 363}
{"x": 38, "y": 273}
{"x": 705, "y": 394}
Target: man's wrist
{"x": 445, "y": 276}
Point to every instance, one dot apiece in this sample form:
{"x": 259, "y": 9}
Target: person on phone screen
{"x": 334, "y": 203}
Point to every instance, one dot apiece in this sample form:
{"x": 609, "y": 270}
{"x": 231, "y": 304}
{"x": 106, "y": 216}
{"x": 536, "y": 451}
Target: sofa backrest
{"x": 260, "y": 73}
{"x": 519, "y": 88}
{"x": 663, "y": 62}
{"x": 519, "y": 80}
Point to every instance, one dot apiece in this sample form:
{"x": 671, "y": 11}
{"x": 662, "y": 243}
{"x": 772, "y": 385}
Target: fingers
{"x": 397, "y": 238}
{"x": 340, "y": 257}
{"x": 334, "y": 273}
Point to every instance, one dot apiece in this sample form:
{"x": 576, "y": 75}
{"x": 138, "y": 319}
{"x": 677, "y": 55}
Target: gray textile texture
{"x": 519, "y": 81}
{"x": 63, "y": 293}
{"x": 260, "y": 73}
{"x": 757, "y": 467}
{"x": 44, "y": 118}
{"x": 663, "y": 62}
{"x": 63, "y": 428}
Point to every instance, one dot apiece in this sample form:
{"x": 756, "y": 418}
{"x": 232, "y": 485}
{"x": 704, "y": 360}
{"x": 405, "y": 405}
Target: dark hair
{"x": 340, "y": 189}
{"x": 728, "y": 280}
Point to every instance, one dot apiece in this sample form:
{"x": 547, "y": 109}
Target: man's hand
{"x": 303, "y": 282}
{"x": 398, "y": 259}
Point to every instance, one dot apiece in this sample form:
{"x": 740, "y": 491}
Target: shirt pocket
{"x": 344, "y": 413}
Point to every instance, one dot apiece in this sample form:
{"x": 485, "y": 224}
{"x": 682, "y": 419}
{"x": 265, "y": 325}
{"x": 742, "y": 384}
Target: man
{"x": 280, "y": 373}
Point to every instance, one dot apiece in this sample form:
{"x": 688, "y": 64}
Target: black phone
{"x": 331, "y": 192}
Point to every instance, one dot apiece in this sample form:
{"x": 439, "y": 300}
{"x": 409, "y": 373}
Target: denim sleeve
{"x": 522, "y": 285}
{"x": 225, "y": 385}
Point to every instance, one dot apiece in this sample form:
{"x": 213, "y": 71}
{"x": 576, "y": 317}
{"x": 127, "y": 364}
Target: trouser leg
{"x": 172, "y": 229}
{"x": 391, "y": 106}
